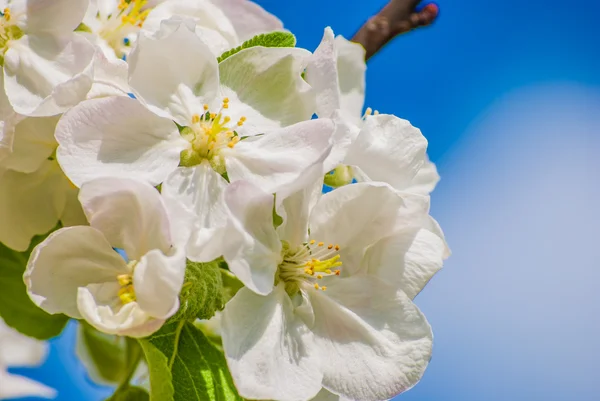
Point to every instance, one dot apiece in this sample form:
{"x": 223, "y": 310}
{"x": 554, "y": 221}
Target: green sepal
{"x": 185, "y": 366}
{"x": 202, "y": 292}
{"x": 83, "y": 28}
{"x": 271, "y": 39}
{"x": 16, "y": 308}
{"x": 340, "y": 176}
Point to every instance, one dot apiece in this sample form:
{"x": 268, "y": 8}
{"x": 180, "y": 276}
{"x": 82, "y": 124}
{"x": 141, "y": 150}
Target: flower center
{"x": 119, "y": 28}
{"x": 127, "y": 291}
{"x": 308, "y": 263}
{"x": 8, "y": 31}
{"x": 208, "y": 134}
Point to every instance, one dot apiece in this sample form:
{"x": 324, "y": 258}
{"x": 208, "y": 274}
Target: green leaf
{"x": 17, "y": 310}
{"x": 231, "y": 284}
{"x": 181, "y": 358}
{"x": 271, "y": 39}
{"x": 130, "y": 394}
{"x": 202, "y": 292}
{"x": 109, "y": 359}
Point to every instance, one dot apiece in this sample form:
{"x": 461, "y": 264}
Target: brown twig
{"x": 398, "y": 16}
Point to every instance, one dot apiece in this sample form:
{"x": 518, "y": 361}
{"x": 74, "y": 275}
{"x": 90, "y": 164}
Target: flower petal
{"x": 18, "y": 350}
{"x": 15, "y": 386}
{"x": 110, "y": 77}
{"x": 295, "y": 212}
{"x": 248, "y": 18}
{"x": 278, "y": 162}
{"x": 131, "y": 215}
{"x": 268, "y": 349}
{"x": 174, "y": 73}
{"x": 351, "y": 68}
{"x": 426, "y": 179}
{"x": 254, "y": 254}
{"x": 30, "y": 204}
{"x": 33, "y": 143}
{"x": 322, "y": 75}
{"x": 56, "y": 16}
{"x": 199, "y": 192}
{"x": 388, "y": 149}
{"x": 157, "y": 280}
{"x": 376, "y": 342}
{"x": 407, "y": 260}
{"x": 44, "y": 74}
{"x": 117, "y": 137}
{"x": 129, "y": 320}
{"x": 70, "y": 258}
{"x": 265, "y": 86}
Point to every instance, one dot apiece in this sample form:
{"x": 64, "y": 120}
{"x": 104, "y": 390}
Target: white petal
{"x": 269, "y": 350}
{"x": 30, "y": 204}
{"x": 33, "y": 143}
{"x": 110, "y": 77}
{"x": 248, "y": 18}
{"x": 376, "y": 342}
{"x": 7, "y": 133}
{"x": 72, "y": 214}
{"x": 351, "y": 68}
{"x": 356, "y": 216}
{"x": 344, "y": 135}
{"x": 70, "y": 258}
{"x": 295, "y": 212}
{"x": 174, "y": 73}
{"x": 14, "y": 386}
{"x": 117, "y": 137}
{"x": 18, "y": 350}
{"x": 322, "y": 75}
{"x": 199, "y": 192}
{"x": 253, "y": 257}
{"x": 6, "y": 109}
{"x": 56, "y": 16}
{"x": 45, "y": 75}
{"x": 407, "y": 260}
{"x": 278, "y": 162}
{"x": 264, "y": 85}
{"x": 157, "y": 281}
{"x": 425, "y": 180}
{"x": 129, "y": 213}
{"x": 128, "y": 320}
{"x": 202, "y": 12}
{"x": 388, "y": 149}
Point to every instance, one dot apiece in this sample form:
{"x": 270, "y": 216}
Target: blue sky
{"x": 508, "y": 94}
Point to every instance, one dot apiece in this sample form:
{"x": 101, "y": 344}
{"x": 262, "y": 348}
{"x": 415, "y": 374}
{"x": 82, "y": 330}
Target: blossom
{"x": 17, "y": 350}
{"x": 224, "y": 23}
{"x": 307, "y": 317}
{"x": 34, "y": 192}
{"x": 380, "y": 147}
{"x": 46, "y": 67}
{"x": 76, "y": 270}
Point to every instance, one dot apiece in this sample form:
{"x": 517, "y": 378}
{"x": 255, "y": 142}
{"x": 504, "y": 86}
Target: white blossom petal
{"x": 248, "y": 18}
{"x": 157, "y": 280}
{"x": 54, "y": 17}
{"x": 255, "y": 255}
{"x": 322, "y": 75}
{"x": 15, "y": 386}
{"x": 131, "y": 215}
{"x": 426, "y": 179}
{"x": 70, "y": 258}
{"x": 375, "y": 341}
{"x": 351, "y": 69}
{"x": 110, "y": 77}
{"x": 388, "y": 149}
{"x": 278, "y": 161}
{"x": 45, "y": 74}
{"x": 407, "y": 260}
{"x": 117, "y": 137}
{"x": 199, "y": 192}
{"x": 174, "y": 73}
{"x": 30, "y": 204}
{"x": 18, "y": 350}
{"x": 265, "y": 86}
{"x": 269, "y": 349}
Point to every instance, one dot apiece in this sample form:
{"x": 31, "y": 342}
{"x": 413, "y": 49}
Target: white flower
{"x": 76, "y": 270}
{"x": 305, "y": 320}
{"x": 46, "y": 66}
{"x": 34, "y": 192}
{"x": 381, "y": 148}
{"x": 224, "y": 24}
{"x": 17, "y": 350}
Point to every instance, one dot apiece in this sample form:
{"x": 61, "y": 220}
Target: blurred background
{"x": 508, "y": 94}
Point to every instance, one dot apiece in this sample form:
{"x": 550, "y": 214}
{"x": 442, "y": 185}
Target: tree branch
{"x": 398, "y": 16}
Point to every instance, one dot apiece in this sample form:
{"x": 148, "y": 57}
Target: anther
{"x": 330, "y": 246}
{"x": 337, "y": 247}
{"x": 319, "y": 276}
{"x": 324, "y": 288}
{"x": 205, "y": 107}
{"x": 195, "y": 119}
{"x": 337, "y": 272}
{"x": 212, "y": 116}
{"x": 321, "y": 244}
{"x": 312, "y": 241}
{"x": 316, "y": 286}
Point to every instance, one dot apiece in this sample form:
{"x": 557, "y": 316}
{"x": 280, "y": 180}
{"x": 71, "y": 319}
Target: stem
{"x": 397, "y": 17}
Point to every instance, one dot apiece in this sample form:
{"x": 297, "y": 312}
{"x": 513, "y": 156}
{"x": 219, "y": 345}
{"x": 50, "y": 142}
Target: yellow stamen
{"x": 323, "y": 288}
{"x": 195, "y": 119}
{"x": 316, "y": 286}
{"x": 330, "y": 246}
{"x": 205, "y": 107}
{"x": 124, "y": 279}
{"x": 321, "y": 244}
{"x": 312, "y": 242}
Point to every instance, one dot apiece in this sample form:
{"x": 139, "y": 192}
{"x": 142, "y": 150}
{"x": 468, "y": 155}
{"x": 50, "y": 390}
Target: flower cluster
{"x": 156, "y": 134}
